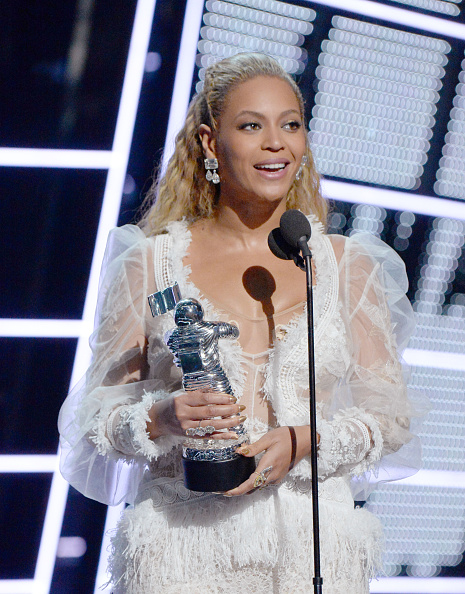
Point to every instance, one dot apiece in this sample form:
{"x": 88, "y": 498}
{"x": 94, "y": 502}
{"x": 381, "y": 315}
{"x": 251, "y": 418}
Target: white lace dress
{"x": 172, "y": 540}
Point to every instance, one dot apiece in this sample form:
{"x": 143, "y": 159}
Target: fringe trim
{"x": 137, "y": 417}
{"x": 154, "y": 551}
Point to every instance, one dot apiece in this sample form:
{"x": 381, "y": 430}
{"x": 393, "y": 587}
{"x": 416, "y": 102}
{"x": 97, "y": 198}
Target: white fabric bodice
{"x": 362, "y": 318}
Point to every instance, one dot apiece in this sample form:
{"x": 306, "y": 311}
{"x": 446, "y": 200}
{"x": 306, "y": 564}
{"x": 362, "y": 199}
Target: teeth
{"x": 272, "y": 166}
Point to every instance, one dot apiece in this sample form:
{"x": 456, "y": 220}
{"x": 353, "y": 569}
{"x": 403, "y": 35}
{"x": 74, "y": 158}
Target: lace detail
{"x": 126, "y": 429}
{"x": 164, "y": 492}
{"x": 346, "y": 445}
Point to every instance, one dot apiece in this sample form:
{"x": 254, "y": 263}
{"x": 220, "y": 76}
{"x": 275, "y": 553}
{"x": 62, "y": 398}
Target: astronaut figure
{"x": 194, "y": 344}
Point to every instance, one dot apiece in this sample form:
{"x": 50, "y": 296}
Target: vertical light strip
{"x": 400, "y": 16}
{"x": 184, "y": 74}
{"x": 108, "y": 217}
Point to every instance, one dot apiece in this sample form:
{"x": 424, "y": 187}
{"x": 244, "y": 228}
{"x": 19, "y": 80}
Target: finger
{"x": 212, "y": 411}
{"x": 207, "y": 427}
{"x": 198, "y": 398}
{"x": 223, "y": 435}
{"x": 252, "y": 484}
{"x": 252, "y": 449}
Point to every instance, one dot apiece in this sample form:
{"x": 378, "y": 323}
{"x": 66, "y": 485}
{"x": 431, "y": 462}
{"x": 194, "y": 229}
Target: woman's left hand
{"x": 277, "y": 445}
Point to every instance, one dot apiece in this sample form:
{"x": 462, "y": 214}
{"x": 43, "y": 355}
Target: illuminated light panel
{"x": 423, "y": 515}
{"x": 451, "y": 174}
{"x": 392, "y": 199}
{"x": 443, "y": 251}
{"x": 274, "y": 28}
{"x": 18, "y": 587}
{"x": 433, "y": 5}
{"x": 60, "y": 158}
{"x": 408, "y": 585}
{"x": 28, "y": 463}
{"x": 423, "y": 527}
{"x": 436, "y": 478}
{"x": 443, "y": 430}
{"x": 15, "y": 327}
{"x": 440, "y": 333}
{"x": 400, "y": 16}
{"x": 368, "y": 140}
{"x": 71, "y": 547}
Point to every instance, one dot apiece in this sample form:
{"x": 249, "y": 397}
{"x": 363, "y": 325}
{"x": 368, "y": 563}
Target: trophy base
{"x": 222, "y": 475}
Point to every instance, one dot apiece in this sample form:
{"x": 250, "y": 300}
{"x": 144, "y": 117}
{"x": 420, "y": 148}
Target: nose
{"x": 272, "y": 139}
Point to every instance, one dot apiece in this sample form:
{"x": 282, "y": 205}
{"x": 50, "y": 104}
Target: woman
{"x": 122, "y": 429}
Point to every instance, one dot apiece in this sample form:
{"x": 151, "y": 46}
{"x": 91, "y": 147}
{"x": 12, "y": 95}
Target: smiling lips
{"x": 272, "y": 167}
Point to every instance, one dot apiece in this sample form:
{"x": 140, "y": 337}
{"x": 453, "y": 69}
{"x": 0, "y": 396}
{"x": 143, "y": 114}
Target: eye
{"x": 249, "y": 126}
{"x": 293, "y": 126}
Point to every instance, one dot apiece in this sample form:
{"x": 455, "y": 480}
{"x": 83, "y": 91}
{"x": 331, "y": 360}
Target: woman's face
{"x": 260, "y": 140}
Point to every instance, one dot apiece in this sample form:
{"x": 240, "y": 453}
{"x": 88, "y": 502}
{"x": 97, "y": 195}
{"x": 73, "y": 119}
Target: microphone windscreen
{"x": 279, "y": 247}
{"x": 294, "y": 225}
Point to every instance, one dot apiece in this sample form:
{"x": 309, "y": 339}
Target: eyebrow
{"x": 257, "y": 114}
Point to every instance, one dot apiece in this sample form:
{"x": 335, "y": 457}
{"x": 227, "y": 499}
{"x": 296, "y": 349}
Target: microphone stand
{"x": 307, "y": 255}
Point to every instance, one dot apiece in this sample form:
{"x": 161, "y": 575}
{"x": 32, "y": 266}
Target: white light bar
{"x": 15, "y": 327}
{"x": 17, "y": 587}
{"x": 184, "y": 74}
{"x": 51, "y": 532}
{"x": 435, "y": 359}
{"x": 60, "y": 158}
{"x": 24, "y": 463}
{"x": 393, "y": 199}
{"x": 400, "y": 16}
{"x": 410, "y": 585}
{"x": 442, "y": 479}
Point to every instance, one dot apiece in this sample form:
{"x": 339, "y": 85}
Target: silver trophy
{"x": 209, "y": 464}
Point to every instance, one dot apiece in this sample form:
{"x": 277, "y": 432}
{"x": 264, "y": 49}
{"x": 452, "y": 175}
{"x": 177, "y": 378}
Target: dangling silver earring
{"x": 304, "y": 161}
{"x": 211, "y": 165}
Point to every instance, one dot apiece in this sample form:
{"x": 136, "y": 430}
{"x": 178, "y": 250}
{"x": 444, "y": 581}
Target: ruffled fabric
{"x": 268, "y": 547}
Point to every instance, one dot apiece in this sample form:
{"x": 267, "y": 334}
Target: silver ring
{"x": 202, "y": 431}
{"x": 261, "y": 477}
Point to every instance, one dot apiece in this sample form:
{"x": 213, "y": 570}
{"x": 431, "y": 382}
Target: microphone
{"x": 291, "y": 237}
{"x": 296, "y": 230}
{"x": 281, "y": 249}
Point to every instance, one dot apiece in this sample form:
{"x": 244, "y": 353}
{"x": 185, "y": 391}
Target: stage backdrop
{"x": 93, "y": 92}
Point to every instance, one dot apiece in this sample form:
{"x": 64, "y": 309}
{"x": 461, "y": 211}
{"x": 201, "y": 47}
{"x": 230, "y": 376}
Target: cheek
{"x": 234, "y": 160}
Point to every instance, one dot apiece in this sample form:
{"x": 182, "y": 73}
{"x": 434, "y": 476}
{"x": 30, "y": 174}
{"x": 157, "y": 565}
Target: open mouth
{"x": 271, "y": 167}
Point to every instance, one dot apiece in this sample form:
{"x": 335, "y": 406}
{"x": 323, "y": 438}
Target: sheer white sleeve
{"x": 368, "y": 416}
{"x": 105, "y": 447}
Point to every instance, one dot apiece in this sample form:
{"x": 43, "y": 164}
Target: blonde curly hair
{"x": 183, "y": 191}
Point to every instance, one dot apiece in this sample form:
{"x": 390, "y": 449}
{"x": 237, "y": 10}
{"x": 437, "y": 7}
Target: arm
{"x": 364, "y": 414}
{"x": 373, "y": 415}
{"x": 130, "y": 408}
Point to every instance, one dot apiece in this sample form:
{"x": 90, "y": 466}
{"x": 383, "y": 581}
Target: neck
{"x": 248, "y": 219}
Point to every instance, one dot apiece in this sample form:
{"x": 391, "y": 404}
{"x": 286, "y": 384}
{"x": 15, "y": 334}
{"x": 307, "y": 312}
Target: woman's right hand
{"x": 188, "y": 410}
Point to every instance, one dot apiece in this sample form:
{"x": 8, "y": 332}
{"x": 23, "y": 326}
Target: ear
{"x": 208, "y": 140}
